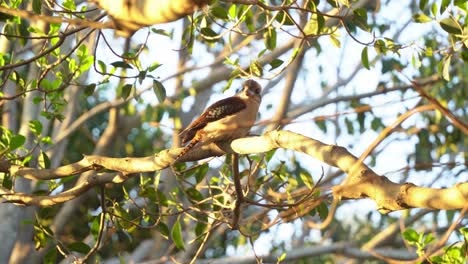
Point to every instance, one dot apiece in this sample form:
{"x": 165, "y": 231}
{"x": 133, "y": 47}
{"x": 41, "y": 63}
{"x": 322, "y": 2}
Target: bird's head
{"x": 251, "y": 89}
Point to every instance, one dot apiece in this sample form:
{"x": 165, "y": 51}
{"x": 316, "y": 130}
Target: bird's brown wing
{"x": 216, "y": 111}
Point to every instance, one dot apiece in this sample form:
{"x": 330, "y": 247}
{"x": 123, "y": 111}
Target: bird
{"x": 225, "y": 120}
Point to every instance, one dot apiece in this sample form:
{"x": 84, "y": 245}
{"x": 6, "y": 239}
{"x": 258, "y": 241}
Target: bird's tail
{"x": 187, "y": 148}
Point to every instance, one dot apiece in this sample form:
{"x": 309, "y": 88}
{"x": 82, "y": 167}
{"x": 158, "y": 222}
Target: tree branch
{"x": 388, "y": 195}
{"x": 365, "y": 183}
{"x": 131, "y": 15}
{"x": 345, "y": 249}
{"x": 449, "y": 115}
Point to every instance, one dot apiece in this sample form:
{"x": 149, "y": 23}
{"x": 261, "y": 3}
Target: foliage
{"x": 71, "y": 89}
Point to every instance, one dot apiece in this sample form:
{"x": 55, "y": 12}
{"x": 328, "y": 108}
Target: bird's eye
{"x": 257, "y": 90}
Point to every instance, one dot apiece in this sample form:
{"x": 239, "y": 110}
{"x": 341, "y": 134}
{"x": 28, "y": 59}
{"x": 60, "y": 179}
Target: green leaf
{"x": 311, "y": 26}
{"x": 126, "y": 89}
{"x": 284, "y": 19}
{"x": 275, "y": 63}
{"x": 159, "y": 90}
{"x": 163, "y": 230}
{"x": 336, "y": 42}
{"x": 322, "y": 209}
{"x": 444, "y": 5}
{"x": 429, "y": 238}
{"x": 428, "y": 52}
{"x": 450, "y": 25}
{"x": 162, "y": 198}
{"x": 411, "y": 235}
{"x": 270, "y": 38}
{"x": 7, "y": 181}
{"x": 142, "y": 76}
{"x": 282, "y": 257}
{"x": 380, "y": 47}
{"x": 206, "y": 31}
{"x": 434, "y": 9}
{"x": 360, "y": 18}
{"x": 16, "y": 141}
{"x": 349, "y": 126}
{"x": 162, "y": 32}
{"x": 200, "y": 228}
{"x": 51, "y": 256}
{"x": 176, "y": 235}
{"x": 194, "y": 194}
{"x": 249, "y": 20}
{"x": 445, "y": 70}
{"x": 462, "y": 4}
{"x": 201, "y": 172}
{"x": 4, "y": 17}
{"x": 70, "y": 5}
{"x": 154, "y": 66}
{"x": 233, "y": 11}
{"x": 95, "y": 227}
{"x": 365, "y": 58}
{"x": 423, "y": 4}
{"x": 421, "y": 18}
{"x": 121, "y": 64}
{"x": 322, "y": 125}
{"x": 333, "y": 3}
{"x": 376, "y": 123}
{"x": 361, "y": 120}
{"x": 44, "y": 161}
{"x": 416, "y": 61}
{"x": 37, "y": 6}
{"x": 79, "y": 247}
{"x": 219, "y": 12}
{"x": 36, "y": 127}
{"x": 391, "y": 65}
{"x": 102, "y": 66}
{"x": 89, "y": 89}
{"x": 256, "y": 68}
{"x": 307, "y": 179}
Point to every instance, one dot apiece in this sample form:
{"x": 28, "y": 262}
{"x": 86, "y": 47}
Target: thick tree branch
{"x": 345, "y": 249}
{"x": 364, "y": 182}
{"x": 131, "y": 15}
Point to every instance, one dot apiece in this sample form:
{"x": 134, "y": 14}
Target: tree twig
{"x": 239, "y": 192}
{"x": 450, "y": 116}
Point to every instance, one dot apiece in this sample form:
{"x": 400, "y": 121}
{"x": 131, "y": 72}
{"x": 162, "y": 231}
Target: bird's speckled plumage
{"x": 226, "y": 119}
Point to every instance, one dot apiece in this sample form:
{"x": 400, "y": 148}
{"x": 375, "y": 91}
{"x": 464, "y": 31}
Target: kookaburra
{"x": 226, "y": 119}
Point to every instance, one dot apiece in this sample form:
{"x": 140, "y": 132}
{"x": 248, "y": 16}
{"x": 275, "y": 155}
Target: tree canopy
{"x": 362, "y": 101}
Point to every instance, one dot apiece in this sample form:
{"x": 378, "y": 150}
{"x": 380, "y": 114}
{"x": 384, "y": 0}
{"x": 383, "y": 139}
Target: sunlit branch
{"x": 450, "y": 116}
{"x": 361, "y": 181}
{"x": 74, "y": 192}
{"x": 346, "y": 249}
